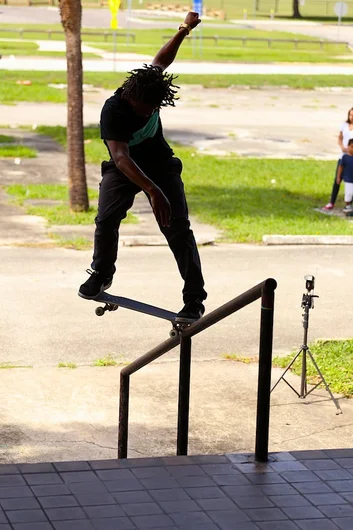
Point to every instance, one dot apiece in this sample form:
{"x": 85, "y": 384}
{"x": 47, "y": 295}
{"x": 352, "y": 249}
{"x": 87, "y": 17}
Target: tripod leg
{"x": 324, "y": 381}
{"x": 303, "y": 383}
{"x": 286, "y": 370}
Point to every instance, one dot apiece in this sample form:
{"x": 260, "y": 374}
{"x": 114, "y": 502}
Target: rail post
{"x": 123, "y": 415}
{"x": 265, "y": 365}
{"x": 184, "y": 396}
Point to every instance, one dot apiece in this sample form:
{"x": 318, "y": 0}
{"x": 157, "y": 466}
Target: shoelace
{"x": 90, "y": 272}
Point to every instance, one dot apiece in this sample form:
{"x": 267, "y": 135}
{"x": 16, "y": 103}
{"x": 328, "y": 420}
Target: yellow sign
{"x": 114, "y": 8}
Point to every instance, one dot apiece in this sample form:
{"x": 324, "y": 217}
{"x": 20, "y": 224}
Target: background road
{"x": 272, "y": 123}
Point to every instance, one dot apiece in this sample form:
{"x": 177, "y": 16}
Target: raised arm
{"x": 167, "y": 54}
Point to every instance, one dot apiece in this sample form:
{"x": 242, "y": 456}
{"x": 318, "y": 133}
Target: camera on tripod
{"x": 307, "y": 304}
{"x": 308, "y": 299}
{"x": 309, "y": 283}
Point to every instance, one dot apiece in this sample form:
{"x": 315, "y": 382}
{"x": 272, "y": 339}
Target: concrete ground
{"x": 57, "y": 414}
{"x": 44, "y": 323}
{"x": 40, "y": 285}
{"x": 50, "y": 413}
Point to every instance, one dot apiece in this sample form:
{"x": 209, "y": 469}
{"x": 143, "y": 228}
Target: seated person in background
{"x": 345, "y": 134}
{"x": 345, "y": 172}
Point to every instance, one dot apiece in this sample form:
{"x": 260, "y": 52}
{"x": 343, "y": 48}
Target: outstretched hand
{"x": 192, "y": 19}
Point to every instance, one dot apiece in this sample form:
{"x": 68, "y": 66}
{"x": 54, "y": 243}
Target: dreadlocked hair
{"x": 150, "y": 85}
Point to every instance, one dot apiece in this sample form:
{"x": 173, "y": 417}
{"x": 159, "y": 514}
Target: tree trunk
{"x": 71, "y": 13}
{"x": 296, "y": 12}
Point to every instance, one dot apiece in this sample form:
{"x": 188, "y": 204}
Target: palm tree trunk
{"x": 71, "y": 13}
{"x": 296, "y": 12}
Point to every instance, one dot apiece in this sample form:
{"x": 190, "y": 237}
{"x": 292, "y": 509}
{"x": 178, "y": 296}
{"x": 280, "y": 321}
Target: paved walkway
{"x": 307, "y": 490}
{"x": 223, "y": 121}
{"x": 178, "y": 67}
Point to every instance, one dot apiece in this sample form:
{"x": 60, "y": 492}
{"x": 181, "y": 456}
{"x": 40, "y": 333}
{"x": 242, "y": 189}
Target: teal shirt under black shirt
{"x": 147, "y": 145}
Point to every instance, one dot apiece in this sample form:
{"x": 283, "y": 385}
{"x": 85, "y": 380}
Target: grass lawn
{"x": 149, "y": 42}
{"x": 39, "y": 91}
{"x": 335, "y": 360}
{"x": 31, "y": 49}
{"x": 55, "y": 214}
{"x": 9, "y": 149}
{"x": 16, "y": 151}
{"x": 18, "y": 48}
{"x": 5, "y": 139}
{"x": 224, "y": 193}
{"x": 255, "y": 52}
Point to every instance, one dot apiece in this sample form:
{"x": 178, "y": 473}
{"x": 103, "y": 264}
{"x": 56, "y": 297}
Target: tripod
{"x": 307, "y": 304}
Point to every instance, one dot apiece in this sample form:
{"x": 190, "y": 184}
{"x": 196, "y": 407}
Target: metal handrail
{"x": 265, "y": 291}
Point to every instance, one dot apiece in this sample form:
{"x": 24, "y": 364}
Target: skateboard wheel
{"x": 100, "y": 311}
{"x": 173, "y": 333}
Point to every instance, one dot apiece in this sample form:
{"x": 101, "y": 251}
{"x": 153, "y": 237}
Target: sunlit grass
{"x": 335, "y": 359}
{"x": 17, "y": 151}
{"x": 39, "y": 91}
{"x": 224, "y": 192}
{"x": 56, "y": 211}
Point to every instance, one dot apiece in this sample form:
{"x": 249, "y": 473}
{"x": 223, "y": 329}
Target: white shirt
{"x": 347, "y": 134}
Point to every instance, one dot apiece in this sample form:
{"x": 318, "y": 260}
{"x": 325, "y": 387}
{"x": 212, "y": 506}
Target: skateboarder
{"x": 141, "y": 160}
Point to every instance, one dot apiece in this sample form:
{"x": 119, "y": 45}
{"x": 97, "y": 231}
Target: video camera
{"x": 308, "y": 299}
{"x": 309, "y": 283}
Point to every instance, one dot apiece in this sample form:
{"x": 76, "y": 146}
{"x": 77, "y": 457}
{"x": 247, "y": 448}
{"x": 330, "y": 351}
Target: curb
{"x": 125, "y": 241}
{"x": 158, "y": 241}
{"x": 306, "y": 240}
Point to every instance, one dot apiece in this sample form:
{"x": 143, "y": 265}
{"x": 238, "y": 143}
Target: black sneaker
{"x": 94, "y": 285}
{"x": 191, "y": 312}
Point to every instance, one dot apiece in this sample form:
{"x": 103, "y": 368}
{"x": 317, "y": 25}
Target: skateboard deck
{"x": 113, "y": 302}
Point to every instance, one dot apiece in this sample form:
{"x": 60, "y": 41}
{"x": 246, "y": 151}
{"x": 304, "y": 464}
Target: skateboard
{"x": 112, "y": 303}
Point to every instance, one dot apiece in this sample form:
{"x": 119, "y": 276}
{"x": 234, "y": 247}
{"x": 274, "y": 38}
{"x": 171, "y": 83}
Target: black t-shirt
{"x": 119, "y": 122}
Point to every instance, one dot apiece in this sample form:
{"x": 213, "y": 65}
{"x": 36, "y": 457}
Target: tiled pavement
{"x": 307, "y": 490}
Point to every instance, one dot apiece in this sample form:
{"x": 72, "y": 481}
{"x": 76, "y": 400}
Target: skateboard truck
{"x": 108, "y": 307}
{"x": 112, "y": 303}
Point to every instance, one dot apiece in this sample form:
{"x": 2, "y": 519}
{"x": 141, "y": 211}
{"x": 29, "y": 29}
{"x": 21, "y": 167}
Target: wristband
{"x": 185, "y": 26}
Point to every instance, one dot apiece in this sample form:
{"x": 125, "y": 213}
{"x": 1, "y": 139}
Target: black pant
{"x": 335, "y": 187}
{"x": 116, "y": 196}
